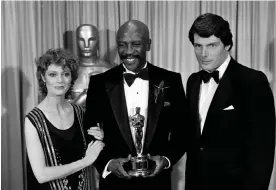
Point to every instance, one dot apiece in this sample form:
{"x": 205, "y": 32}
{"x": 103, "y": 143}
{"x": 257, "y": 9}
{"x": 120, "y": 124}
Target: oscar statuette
{"x": 139, "y": 163}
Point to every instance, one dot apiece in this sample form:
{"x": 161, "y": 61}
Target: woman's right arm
{"x": 36, "y": 156}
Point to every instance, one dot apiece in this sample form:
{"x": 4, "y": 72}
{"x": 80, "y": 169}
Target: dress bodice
{"x": 62, "y": 147}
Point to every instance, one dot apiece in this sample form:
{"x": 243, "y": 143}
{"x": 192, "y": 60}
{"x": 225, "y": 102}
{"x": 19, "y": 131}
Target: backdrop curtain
{"x": 29, "y": 28}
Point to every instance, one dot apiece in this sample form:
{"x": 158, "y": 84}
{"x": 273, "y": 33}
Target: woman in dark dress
{"x": 59, "y": 155}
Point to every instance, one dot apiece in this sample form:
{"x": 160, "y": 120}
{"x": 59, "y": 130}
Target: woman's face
{"x": 57, "y": 79}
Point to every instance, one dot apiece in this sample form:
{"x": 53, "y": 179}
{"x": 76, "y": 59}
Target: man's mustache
{"x": 130, "y": 56}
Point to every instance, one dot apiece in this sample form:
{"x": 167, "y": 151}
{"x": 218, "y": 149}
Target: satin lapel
{"x": 155, "y": 105}
{"x": 194, "y": 101}
{"x": 221, "y": 96}
{"x": 115, "y": 90}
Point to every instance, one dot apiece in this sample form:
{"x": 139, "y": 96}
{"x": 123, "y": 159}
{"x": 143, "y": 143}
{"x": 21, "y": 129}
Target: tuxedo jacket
{"x": 167, "y": 133}
{"x": 235, "y": 150}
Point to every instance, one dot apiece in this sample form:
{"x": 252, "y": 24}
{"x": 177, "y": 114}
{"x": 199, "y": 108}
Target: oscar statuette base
{"x": 139, "y": 166}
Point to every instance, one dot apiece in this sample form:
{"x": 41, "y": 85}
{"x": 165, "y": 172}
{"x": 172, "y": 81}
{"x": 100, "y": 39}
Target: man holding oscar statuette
{"x": 143, "y": 112}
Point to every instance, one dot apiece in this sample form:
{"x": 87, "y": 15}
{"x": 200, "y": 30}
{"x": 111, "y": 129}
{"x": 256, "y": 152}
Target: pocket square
{"x": 167, "y": 104}
{"x": 229, "y": 108}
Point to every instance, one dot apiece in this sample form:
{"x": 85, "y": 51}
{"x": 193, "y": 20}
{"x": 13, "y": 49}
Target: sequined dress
{"x": 62, "y": 147}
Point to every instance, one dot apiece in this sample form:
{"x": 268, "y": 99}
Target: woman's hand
{"x": 92, "y": 152}
{"x": 97, "y": 132}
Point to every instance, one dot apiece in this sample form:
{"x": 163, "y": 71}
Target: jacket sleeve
{"x": 94, "y": 114}
{"x": 259, "y": 115}
{"x": 179, "y": 123}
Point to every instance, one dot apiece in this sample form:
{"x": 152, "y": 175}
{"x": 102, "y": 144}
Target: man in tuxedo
{"x": 233, "y": 114}
{"x": 112, "y": 99}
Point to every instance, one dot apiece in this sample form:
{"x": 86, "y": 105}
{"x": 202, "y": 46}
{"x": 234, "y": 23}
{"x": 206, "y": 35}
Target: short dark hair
{"x": 61, "y": 57}
{"x": 210, "y": 24}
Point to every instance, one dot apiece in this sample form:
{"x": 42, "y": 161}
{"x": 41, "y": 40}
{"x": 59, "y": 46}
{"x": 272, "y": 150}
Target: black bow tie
{"x": 206, "y": 76}
{"x": 129, "y": 77}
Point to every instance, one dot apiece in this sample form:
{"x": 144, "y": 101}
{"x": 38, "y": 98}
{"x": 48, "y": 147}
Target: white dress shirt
{"x": 136, "y": 96}
{"x": 207, "y": 91}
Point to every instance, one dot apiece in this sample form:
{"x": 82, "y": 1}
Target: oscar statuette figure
{"x": 139, "y": 163}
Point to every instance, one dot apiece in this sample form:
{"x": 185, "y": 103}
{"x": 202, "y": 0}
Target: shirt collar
{"x": 223, "y": 66}
{"x": 129, "y": 71}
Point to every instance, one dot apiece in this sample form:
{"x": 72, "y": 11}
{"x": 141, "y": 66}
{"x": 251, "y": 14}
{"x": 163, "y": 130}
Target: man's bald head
{"x": 134, "y": 26}
{"x": 133, "y": 42}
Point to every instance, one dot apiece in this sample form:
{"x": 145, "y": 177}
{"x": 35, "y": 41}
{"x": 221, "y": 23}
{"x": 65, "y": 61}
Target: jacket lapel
{"x": 221, "y": 96}
{"x": 155, "y": 105}
{"x": 115, "y": 91}
{"x": 194, "y": 102}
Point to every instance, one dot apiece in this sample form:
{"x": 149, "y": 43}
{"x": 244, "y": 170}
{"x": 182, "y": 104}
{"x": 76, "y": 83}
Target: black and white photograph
{"x": 138, "y": 95}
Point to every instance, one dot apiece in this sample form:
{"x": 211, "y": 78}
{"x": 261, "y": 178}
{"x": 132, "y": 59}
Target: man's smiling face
{"x": 133, "y": 43}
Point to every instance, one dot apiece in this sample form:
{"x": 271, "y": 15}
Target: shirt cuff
{"x": 168, "y": 161}
{"x": 105, "y": 172}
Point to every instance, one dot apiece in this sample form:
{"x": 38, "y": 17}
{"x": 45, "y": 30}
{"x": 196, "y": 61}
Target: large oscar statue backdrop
{"x": 90, "y": 64}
